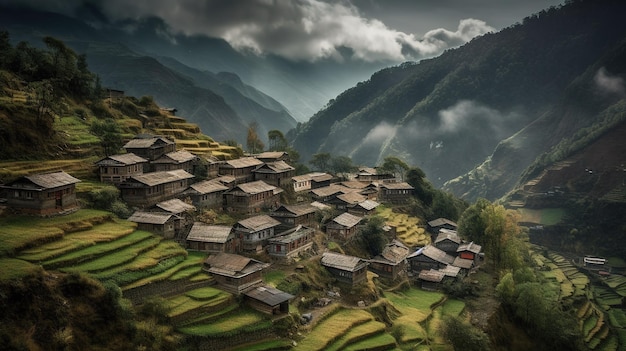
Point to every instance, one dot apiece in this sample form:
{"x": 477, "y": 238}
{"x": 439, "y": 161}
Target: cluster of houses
{"x": 159, "y": 181}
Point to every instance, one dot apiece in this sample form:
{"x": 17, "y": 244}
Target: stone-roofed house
{"x": 343, "y": 201}
{"x": 251, "y": 197}
{"x": 429, "y": 257}
{"x": 328, "y": 193}
{"x": 150, "y": 188}
{"x": 291, "y": 243}
{"x": 464, "y": 264}
{"x": 117, "y": 168}
{"x": 161, "y": 223}
{"x": 293, "y": 215}
{"x": 181, "y": 159}
{"x": 273, "y": 156}
{"x": 368, "y": 175}
{"x": 207, "y": 193}
{"x": 344, "y": 268}
{"x": 431, "y": 279}
{"x": 277, "y": 173}
{"x": 391, "y": 263}
{"x": 448, "y": 241}
{"x": 343, "y": 226}
{"x": 441, "y": 223}
{"x": 150, "y": 147}
{"x": 42, "y": 194}
{"x": 395, "y": 193}
{"x": 363, "y": 208}
{"x": 268, "y": 300}
{"x": 310, "y": 181}
{"x": 469, "y": 251}
{"x": 181, "y": 209}
{"x": 234, "y": 273}
{"x": 451, "y": 272}
{"x": 240, "y": 168}
{"x": 212, "y": 238}
{"x": 254, "y": 232}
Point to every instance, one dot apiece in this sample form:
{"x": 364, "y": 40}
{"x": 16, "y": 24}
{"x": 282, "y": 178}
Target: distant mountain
{"x": 222, "y": 105}
{"x": 478, "y": 116}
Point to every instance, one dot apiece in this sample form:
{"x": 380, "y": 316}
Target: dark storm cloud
{"x": 298, "y": 30}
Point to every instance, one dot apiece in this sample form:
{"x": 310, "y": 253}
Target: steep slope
{"x": 447, "y": 114}
{"x": 225, "y": 112}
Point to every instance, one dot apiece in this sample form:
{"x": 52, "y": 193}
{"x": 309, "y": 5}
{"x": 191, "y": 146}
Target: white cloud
{"x": 470, "y": 116}
{"x": 608, "y": 83}
{"x": 379, "y": 134}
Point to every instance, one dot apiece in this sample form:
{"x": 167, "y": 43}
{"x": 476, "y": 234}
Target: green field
{"x": 546, "y": 216}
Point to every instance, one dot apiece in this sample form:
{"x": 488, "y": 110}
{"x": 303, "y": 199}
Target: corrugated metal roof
{"x": 150, "y": 217}
{"x": 347, "y": 220}
{"x": 343, "y": 262}
{"x": 269, "y": 295}
{"x": 175, "y": 206}
{"x": 156, "y": 178}
{"x": 50, "y": 180}
{"x": 257, "y": 223}
{"x": 209, "y": 233}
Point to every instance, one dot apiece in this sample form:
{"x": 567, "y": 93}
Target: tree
{"x": 277, "y": 141}
{"x": 423, "y": 190}
{"x": 471, "y": 226}
{"x": 372, "y": 236}
{"x": 394, "y": 165}
{"x": 321, "y": 161}
{"x": 342, "y": 165}
{"x": 464, "y": 336}
{"x": 109, "y": 133}
{"x": 253, "y": 142}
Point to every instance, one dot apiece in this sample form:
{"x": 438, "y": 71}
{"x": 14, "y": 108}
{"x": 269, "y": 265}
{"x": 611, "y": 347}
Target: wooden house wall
{"x": 143, "y": 195}
{"x": 210, "y": 200}
{"x": 186, "y": 166}
{"x": 46, "y": 202}
{"x": 422, "y": 262}
{"x": 118, "y": 174}
{"x": 239, "y": 285}
{"x": 275, "y": 179}
{"x": 249, "y": 203}
{"x": 448, "y": 246}
{"x": 167, "y": 230}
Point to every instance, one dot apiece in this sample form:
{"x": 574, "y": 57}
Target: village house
{"x": 451, "y": 272}
{"x": 363, "y": 208}
{"x": 343, "y": 201}
{"x": 251, "y": 197}
{"x": 181, "y": 159}
{"x": 391, "y": 263}
{"x": 273, "y": 156}
{"x": 161, "y": 223}
{"x": 150, "y": 188}
{"x": 368, "y": 175}
{"x": 469, "y": 251}
{"x": 346, "y": 269}
{"x": 291, "y": 243}
{"x": 293, "y": 215}
{"x": 429, "y": 257}
{"x": 328, "y": 193}
{"x": 42, "y": 194}
{"x": 117, "y": 168}
{"x": 343, "y": 226}
{"x": 268, "y": 300}
{"x": 212, "y": 165}
{"x": 447, "y": 241}
{"x": 240, "y": 168}
{"x": 254, "y": 232}
{"x": 430, "y": 279}
{"x": 150, "y": 147}
{"x": 310, "y": 181}
{"x": 277, "y": 173}
{"x": 114, "y": 95}
{"x": 441, "y": 223}
{"x": 207, "y": 193}
{"x": 212, "y": 238}
{"x": 234, "y": 273}
{"x": 181, "y": 209}
{"x": 464, "y": 265}
{"x": 369, "y": 190}
{"x": 395, "y": 193}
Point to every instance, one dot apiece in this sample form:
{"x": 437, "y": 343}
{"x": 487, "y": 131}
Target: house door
{"x": 58, "y": 197}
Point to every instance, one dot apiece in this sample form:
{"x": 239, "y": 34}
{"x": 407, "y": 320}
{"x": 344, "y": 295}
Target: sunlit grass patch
{"x": 453, "y": 307}
{"x": 333, "y": 327}
{"x": 13, "y": 268}
{"x": 265, "y": 345}
{"x": 360, "y": 332}
{"x": 407, "y": 329}
{"x": 415, "y": 298}
{"x": 242, "y": 321}
{"x": 198, "y": 298}
{"x": 93, "y": 250}
{"x": 273, "y": 278}
{"x": 376, "y": 342}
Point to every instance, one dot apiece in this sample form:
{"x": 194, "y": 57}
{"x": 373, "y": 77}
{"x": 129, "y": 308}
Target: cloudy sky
{"x": 371, "y": 30}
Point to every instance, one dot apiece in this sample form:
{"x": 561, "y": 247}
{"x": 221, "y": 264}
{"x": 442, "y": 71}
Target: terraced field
{"x": 409, "y": 229}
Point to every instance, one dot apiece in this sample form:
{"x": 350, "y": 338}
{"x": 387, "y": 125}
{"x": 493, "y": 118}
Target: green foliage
{"x": 254, "y": 143}
{"x": 110, "y": 135}
{"x": 372, "y": 236}
{"x": 394, "y": 165}
{"x": 321, "y": 161}
{"x": 465, "y": 336}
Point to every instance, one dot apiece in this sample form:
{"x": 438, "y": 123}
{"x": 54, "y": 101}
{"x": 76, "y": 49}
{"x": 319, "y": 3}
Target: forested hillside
{"x": 502, "y": 99}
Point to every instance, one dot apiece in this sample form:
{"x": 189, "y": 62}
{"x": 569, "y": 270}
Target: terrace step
{"x": 179, "y": 320}
{"x": 163, "y": 288}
